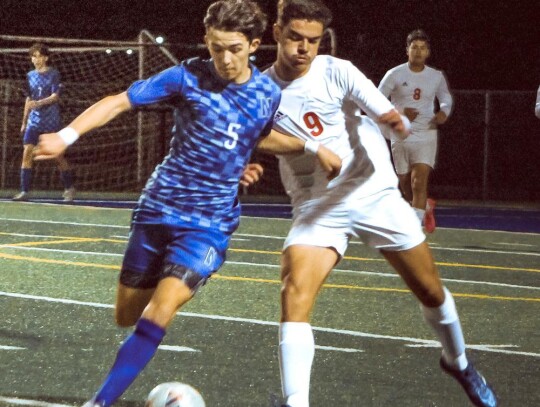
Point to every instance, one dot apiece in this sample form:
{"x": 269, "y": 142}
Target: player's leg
{"x": 403, "y": 171}
{"x": 389, "y": 224}
{"x": 405, "y": 186}
{"x": 422, "y": 156}
{"x": 313, "y": 246}
{"x": 26, "y": 165}
{"x": 304, "y": 269}
{"x": 140, "y": 347}
{"x": 175, "y": 263}
{"x": 66, "y": 175}
{"x": 417, "y": 268}
{"x": 419, "y": 184}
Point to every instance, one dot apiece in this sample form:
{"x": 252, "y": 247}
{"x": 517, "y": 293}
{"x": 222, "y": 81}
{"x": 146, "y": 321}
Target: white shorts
{"x": 406, "y": 153}
{"x": 382, "y": 221}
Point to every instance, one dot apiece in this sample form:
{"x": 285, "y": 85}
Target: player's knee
{"x": 296, "y": 298}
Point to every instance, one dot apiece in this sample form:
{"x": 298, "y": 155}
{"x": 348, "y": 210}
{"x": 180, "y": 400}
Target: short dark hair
{"x": 417, "y": 35}
{"x": 39, "y": 47}
{"x": 244, "y": 16}
{"x": 310, "y": 10}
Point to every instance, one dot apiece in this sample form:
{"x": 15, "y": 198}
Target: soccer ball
{"x": 174, "y": 394}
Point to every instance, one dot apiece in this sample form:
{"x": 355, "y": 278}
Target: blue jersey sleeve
{"x": 157, "y": 88}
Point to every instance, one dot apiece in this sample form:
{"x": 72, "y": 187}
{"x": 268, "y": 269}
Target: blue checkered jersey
{"x": 41, "y": 85}
{"x": 217, "y": 124}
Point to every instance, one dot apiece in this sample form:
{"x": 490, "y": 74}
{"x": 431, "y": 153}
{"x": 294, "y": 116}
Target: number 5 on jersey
{"x": 313, "y": 123}
{"x": 232, "y": 133}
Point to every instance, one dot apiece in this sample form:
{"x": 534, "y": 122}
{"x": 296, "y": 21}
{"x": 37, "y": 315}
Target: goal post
{"x": 118, "y": 157}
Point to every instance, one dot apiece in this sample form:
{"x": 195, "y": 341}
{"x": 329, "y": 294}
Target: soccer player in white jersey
{"x": 413, "y": 88}
{"x": 189, "y": 207}
{"x": 362, "y": 201}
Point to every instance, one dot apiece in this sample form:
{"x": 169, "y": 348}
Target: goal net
{"x": 120, "y": 156}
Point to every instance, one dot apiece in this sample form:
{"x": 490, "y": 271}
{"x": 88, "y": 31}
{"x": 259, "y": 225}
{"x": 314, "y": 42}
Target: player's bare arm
{"x": 51, "y": 145}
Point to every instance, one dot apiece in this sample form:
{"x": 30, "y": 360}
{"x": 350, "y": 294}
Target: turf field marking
{"x": 334, "y": 349}
{"x": 484, "y": 348}
{"x": 433, "y": 246}
{"x": 57, "y": 222}
{"x": 177, "y": 348}
{"x": 493, "y": 348}
{"x": 242, "y": 263}
{"x": 5, "y": 347}
{"x": 27, "y": 402}
{"x": 269, "y": 281}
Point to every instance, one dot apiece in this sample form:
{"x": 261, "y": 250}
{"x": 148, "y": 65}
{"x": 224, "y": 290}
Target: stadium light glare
{"x": 108, "y": 51}
{"x": 129, "y": 51}
{"x": 160, "y": 39}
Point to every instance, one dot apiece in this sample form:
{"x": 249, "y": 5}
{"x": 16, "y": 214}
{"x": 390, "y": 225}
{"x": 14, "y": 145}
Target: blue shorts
{"x": 32, "y": 133}
{"x": 156, "y": 251}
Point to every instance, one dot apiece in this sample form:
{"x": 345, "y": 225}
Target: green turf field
{"x": 58, "y": 273}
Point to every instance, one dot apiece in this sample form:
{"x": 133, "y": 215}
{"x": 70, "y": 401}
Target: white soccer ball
{"x": 174, "y": 394}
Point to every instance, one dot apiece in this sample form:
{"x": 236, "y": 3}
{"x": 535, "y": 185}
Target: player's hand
{"x": 439, "y": 118}
{"x": 252, "y": 174}
{"x": 396, "y": 122}
{"x": 411, "y": 113}
{"x": 23, "y": 128}
{"x": 330, "y": 162}
{"x": 49, "y": 146}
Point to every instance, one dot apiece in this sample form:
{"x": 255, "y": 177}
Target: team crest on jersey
{"x": 265, "y": 106}
{"x": 210, "y": 258}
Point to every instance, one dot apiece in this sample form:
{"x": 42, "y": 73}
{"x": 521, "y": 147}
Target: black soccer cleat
{"x": 475, "y": 385}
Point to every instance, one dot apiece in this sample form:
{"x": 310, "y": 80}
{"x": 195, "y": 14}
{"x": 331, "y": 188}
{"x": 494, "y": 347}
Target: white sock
{"x": 420, "y": 213}
{"x": 296, "y": 353}
{"x": 445, "y": 321}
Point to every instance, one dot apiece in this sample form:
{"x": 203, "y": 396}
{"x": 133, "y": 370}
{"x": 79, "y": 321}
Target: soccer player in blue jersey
{"x": 189, "y": 208}
{"x": 41, "y": 115}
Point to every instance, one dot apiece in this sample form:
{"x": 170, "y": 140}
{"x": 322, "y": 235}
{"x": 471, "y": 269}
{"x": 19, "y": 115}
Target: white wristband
{"x": 312, "y": 146}
{"x": 69, "y": 135}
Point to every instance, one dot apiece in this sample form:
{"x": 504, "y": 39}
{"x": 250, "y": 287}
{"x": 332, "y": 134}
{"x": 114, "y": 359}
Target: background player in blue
{"x": 41, "y": 115}
{"x": 185, "y": 216}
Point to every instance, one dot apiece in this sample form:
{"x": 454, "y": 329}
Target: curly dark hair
{"x": 310, "y": 10}
{"x": 244, "y": 16}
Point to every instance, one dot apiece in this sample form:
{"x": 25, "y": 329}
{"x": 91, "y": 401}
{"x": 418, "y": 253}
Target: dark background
{"x": 489, "y": 150}
{"x": 480, "y": 44}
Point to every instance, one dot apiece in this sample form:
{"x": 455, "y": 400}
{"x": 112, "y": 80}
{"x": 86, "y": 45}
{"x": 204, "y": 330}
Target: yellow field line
{"x": 267, "y": 281}
{"x": 48, "y": 242}
{"x": 63, "y": 262}
{"x": 72, "y": 239}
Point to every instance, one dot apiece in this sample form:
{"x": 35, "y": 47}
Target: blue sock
{"x": 133, "y": 355}
{"x": 26, "y": 179}
{"x": 67, "y": 178}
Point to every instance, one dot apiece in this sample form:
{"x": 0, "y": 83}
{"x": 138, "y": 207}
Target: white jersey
{"x": 417, "y": 90}
{"x": 317, "y": 106}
